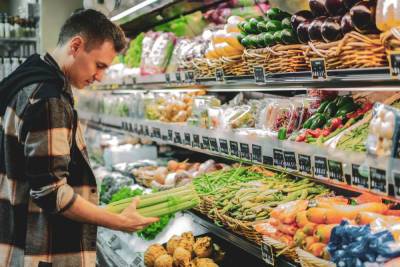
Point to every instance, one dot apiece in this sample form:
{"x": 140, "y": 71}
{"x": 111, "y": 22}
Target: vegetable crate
{"x": 281, "y": 248}
{"x": 355, "y": 50}
{"x": 279, "y": 58}
{"x": 309, "y": 260}
{"x": 391, "y": 40}
{"x": 240, "y": 227}
{"x": 234, "y": 66}
{"x": 206, "y": 204}
{"x": 205, "y": 68}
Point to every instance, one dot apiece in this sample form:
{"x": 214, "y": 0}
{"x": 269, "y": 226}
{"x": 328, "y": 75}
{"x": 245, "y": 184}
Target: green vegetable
{"x": 276, "y": 14}
{"x": 268, "y": 39}
{"x": 344, "y": 100}
{"x": 278, "y": 37}
{"x": 322, "y": 106}
{"x": 309, "y": 121}
{"x": 133, "y": 55}
{"x": 318, "y": 122}
{"x": 253, "y": 24}
{"x": 330, "y": 110}
{"x": 288, "y": 36}
{"x": 151, "y": 232}
{"x": 240, "y": 37}
{"x": 126, "y": 192}
{"x": 273, "y": 26}
{"x": 261, "y": 27}
{"x": 246, "y": 42}
{"x": 346, "y": 109}
{"x": 282, "y": 133}
{"x": 253, "y": 39}
{"x": 249, "y": 29}
{"x": 241, "y": 26}
{"x": 286, "y": 23}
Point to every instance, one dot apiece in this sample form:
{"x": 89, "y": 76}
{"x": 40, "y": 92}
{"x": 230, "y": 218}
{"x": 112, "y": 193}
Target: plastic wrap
{"x": 387, "y": 14}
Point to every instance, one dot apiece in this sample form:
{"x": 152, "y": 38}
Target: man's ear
{"x": 75, "y": 45}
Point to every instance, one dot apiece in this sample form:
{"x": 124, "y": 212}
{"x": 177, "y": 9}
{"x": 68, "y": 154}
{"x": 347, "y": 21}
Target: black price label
{"x": 130, "y": 127}
{"x": 135, "y": 128}
{"x": 214, "y": 145}
{"x": 336, "y": 170}
{"x": 267, "y": 160}
{"x": 219, "y": 75}
{"x": 178, "y": 139}
{"x": 320, "y": 167}
{"x": 156, "y": 132}
{"x": 141, "y": 129}
{"x": 234, "y": 148}
{"x": 123, "y": 125}
{"x": 223, "y": 145}
{"x": 256, "y": 153}
{"x": 164, "y": 137}
{"x": 394, "y": 60}
{"x": 170, "y": 135}
{"x": 196, "y": 141}
{"x": 305, "y": 163}
{"x": 189, "y": 76}
{"x": 378, "y": 180}
{"x": 290, "y": 160}
{"x": 318, "y": 68}
{"x": 146, "y": 130}
{"x": 357, "y": 179}
{"x": 278, "y": 158}
{"x": 206, "y": 142}
{"x": 167, "y": 78}
{"x": 396, "y": 179}
{"x": 245, "y": 151}
{"x": 178, "y": 77}
{"x": 267, "y": 254}
{"x": 187, "y": 141}
{"x": 259, "y": 74}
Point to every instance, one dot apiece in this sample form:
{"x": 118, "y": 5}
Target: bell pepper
{"x": 330, "y": 110}
{"x": 309, "y": 121}
{"x": 301, "y": 137}
{"x": 344, "y": 100}
{"x": 322, "y": 106}
{"x": 282, "y": 133}
{"x": 318, "y": 122}
{"x": 346, "y": 109}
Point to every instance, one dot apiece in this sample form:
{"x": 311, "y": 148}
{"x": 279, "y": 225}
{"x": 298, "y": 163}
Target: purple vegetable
{"x": 346, "y": 24}
{"x": 363, "y": 16}
{"x": 331, "y": 30}
{"x": 300, "y": 17}
{"x": 302, "y": 32}
{"x": 350, "y": 3}
{"x": 318, "y": 8}
{"x": 335, "y": 7}
{"x": 315, "y": 29}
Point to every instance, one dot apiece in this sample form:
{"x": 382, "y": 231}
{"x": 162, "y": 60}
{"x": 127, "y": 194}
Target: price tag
{"x": 245, "y": 151}
{"x": 167, "y": 78}
{"x": 305, "y": 163}
{"x": 278, "y": 158}
{"x": 267, "y": 160}
{"x": 178, "y": 139}
{"x": 256, "y": 153}
{"x": 196, "y": 141}
{"x": 379, "y": 183}
{"x": 141, "y": 130}
{"x": 123, "y": 127}
{"x": 223, "y": 145}
{"x": 158, "y": 133}
{"x": 206, "y": 142}
{"x": 290, "y": 160}
{"x": 396, "y": 179}
{"x": 259, "y": 74}
{"x": 170, "y": 135}
{"x": 318, "y": 68}
{"x": 187, "y": 140}
{"x": 357, "y": 179}
{"x": 178, "y": 77}
{"x": 135, "y": 128}
{"x": 267, "y": 254}
{"x": 146, "y": 131}
{"x": 234, "y": 147}
{"x": 112, "y": 240}
{"x": 394, "y": 63}
{"x": 219, "y": 75}
{"x": 164, "y": 137}
{"x": 214, "y": 145}
{"x": 320, "y": 167}
{"x": 138, "y": 261}
{"x": 189, "y": 76}
{"x": 336, "y": 170}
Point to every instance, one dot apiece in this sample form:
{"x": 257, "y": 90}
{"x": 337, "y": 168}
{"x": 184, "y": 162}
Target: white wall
{"x": 53, "y": 14}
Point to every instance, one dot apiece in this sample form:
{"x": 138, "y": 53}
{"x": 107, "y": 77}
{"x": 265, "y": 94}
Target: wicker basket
{"x": 279, "y": 58}
{"x": 234, "y": 66}
{"x": 282, "y": 248}
{"x": 205, "y": 68}
{"x": 242, "y": 228}
{"x": 353, "y": 51}
{"x": 309, "y": 260}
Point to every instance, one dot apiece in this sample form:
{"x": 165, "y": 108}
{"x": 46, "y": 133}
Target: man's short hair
{"x": 94, "y": 27}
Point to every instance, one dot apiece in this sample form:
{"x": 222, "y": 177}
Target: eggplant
{"x": 346, "y": 24}
{"x": 300, "y": 17}
{"x": 302, "y": 32}
{"x": 331, "y": 30}
{"x": 318, "y": 8}
{"x": 350, "y": 3}
{"x": 315, "y": 29}
{"x": 335, "y": 7}
{"x": 363, "y": 17}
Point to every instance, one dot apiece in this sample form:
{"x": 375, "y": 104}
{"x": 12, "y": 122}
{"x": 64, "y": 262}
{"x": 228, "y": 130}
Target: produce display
{"x": 184, "y": 251}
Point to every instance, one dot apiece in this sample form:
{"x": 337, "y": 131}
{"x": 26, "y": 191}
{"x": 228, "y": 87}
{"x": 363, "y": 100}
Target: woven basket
{"x": 234, "y": 66}
{"x": 353, "y": 51}
{"x": 242, "y": 228}
{"x": 391, "y": 40}
{"x": 205, "y": 68}
{"x": 279, "y": 58}
{"x": 281, "y": 248}
{"x": 309, "y": 260}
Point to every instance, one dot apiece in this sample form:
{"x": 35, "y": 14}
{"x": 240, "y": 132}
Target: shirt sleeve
{"x": 47, "y": 136}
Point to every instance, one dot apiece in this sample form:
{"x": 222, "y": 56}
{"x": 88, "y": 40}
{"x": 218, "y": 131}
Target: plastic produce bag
{"x": 160, "y": 54}
{"x": 387, "y": 14}
{"x": 147, "y": 46}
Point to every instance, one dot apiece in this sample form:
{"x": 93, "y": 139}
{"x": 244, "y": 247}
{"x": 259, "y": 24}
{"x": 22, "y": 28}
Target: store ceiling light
{"x": 133, "y": 9}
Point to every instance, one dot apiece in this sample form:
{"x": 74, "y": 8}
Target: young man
{"x": 48, "y": 197}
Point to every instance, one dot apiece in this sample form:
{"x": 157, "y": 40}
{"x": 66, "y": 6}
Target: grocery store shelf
{"x": 357, "y": 79}
{"x": 149, "y": 13}
{"x": 236, "y": 240}
{"x": 298, "y": 159}
{"x": 18, "y": 40}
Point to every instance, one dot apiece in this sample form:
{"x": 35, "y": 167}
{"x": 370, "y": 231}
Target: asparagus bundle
{"x": 160, "y": 203}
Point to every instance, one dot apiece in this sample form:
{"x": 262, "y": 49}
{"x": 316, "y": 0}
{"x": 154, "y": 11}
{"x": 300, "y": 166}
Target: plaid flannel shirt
{"x": 42, "y": 179}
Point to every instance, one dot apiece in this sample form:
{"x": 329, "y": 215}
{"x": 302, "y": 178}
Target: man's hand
{"x": 132, "y": 220}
